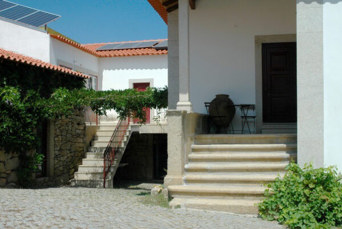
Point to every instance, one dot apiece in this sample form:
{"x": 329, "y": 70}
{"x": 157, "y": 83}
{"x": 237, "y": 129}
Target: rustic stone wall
{"x": 69, "y": 146}
{"x": 9, "y": 163}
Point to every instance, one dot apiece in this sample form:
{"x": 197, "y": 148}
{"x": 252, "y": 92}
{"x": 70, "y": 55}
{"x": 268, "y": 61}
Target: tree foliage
{"x": 21, "y": 111}
{"x": 304, "y": 198}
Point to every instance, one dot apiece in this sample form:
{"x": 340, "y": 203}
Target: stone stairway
{"x": 227, "y": 172}
{"x": 90, "y": 172}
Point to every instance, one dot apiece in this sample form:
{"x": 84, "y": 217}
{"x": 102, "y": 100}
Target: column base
{"x": 184, "y": 106}
{"x": 173, "y": 180}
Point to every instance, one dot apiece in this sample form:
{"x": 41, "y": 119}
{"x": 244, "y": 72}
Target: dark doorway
{"x": 279, "y": 82}
{"x": 159, "y": 156}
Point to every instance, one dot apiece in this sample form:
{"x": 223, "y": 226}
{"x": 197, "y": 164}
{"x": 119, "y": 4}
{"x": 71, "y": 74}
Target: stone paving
{"x": 68, "y": 207}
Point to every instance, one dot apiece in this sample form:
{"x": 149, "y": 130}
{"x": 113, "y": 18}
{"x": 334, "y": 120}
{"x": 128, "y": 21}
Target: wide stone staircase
{"x": 228, "y": 172}
{"x": 90, "y": 172}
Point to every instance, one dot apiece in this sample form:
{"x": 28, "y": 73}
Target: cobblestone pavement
{"x": 106, "y": 208}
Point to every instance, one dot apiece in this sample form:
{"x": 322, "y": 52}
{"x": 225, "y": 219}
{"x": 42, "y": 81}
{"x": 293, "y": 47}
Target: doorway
{"x": 143, "y": 87}
{"x": 279, "y": 86}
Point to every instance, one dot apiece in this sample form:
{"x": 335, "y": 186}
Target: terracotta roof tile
{"x": 73, "y": 43}
{"x": 125, "y": 52}
{"x": 8, "y": 55}
{"x": 91, "y": 48}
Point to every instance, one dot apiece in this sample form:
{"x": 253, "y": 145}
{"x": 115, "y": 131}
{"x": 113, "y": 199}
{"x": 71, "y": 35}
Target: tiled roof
{"x": 8, "y": 55}
{"x": 125, "y": 52}
{"x": 91, "y": 48}
{"x": 73, "y": 43}
{"x": 158, "y": 6}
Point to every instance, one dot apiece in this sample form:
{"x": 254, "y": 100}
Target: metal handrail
{"x": 114, "y": 146}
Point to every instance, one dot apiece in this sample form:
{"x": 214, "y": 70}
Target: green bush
{"x": 304, "y": 198}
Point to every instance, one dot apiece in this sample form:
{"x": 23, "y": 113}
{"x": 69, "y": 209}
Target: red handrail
{"x": 113, "y": 146}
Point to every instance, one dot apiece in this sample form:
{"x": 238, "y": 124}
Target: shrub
{"x": 304, "y": 198}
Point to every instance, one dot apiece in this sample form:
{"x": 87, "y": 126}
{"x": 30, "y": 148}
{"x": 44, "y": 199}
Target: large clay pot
{"x": 222, "y": 111}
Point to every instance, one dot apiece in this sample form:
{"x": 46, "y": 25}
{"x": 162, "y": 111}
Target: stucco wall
{"x": 116, "y": 72}
{"x": 26, "y": 41}
{"x": 67, "y": 55}
{"x": 222, "y": 45}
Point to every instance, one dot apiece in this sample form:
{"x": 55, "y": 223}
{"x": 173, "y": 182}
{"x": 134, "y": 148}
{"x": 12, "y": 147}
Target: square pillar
{"x": 184, "y": 60}
{"x": 319, "y": 52}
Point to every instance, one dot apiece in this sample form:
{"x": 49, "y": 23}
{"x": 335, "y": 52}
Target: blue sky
{"x": 93, "y": 21}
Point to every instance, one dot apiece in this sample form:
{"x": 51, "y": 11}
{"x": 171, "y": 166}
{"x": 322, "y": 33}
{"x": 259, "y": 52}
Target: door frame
{"x": 259, "y": 40}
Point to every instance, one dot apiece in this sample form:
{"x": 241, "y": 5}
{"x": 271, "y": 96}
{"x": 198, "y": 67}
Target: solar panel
{"x": 108, "y": 47}
{"x": 26, "y": 15}
{"x": 38, "y": 19}
{"x": 128, "y": 45}
{"x": 5, "y": 5}
{"x": 16, "y": 12}
{"x": 161, "y": 45}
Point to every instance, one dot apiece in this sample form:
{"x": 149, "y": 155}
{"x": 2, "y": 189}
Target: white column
{"x": 184, "y": 61}
{"x": 310, "y": 82}
{"x": 319, "y": 54}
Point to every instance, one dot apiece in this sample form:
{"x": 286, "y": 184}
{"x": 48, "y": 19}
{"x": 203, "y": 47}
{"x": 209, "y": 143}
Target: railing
{"x": 114, "y": 146}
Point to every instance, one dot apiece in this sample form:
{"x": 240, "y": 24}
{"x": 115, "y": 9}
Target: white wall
{"x": 67, "y": 55}
{"x": 118, "y": 71}
{"x": 222, "y": 45}
{"x": 24, "y": 40}
{"x": 332, "y": 49}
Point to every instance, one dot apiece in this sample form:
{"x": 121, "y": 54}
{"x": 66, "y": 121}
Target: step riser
{"x": 224, "y": 208}
{"x": 245, "y": 139}
{"x": 87, "y": 176}
{"x": 229, "y": 182}
{"x": 223, "y": 195}
{"x": 229, "y": 158}
{"x": 242, "y": 149}
{"x": 222, "y": 170}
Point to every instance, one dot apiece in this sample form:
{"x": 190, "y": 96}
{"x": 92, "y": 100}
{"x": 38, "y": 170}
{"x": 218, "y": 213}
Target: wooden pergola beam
{"x": 192, "y": 4}
{"x": 172, "y": 5}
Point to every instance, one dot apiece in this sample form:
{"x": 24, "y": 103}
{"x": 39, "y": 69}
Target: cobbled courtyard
{"x": 68, "y": 207}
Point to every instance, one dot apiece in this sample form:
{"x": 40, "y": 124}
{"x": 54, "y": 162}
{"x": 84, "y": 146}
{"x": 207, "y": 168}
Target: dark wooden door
{"x": 279, "y": 82}
{"x": 143, "y": 87}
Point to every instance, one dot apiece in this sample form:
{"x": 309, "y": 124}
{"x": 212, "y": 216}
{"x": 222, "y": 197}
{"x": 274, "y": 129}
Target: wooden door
{"x": 142, "y": 87}
{"x": 279, "y": 82}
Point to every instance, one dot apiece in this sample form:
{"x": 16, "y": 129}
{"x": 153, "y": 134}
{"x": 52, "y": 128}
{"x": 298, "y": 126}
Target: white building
{"x": 283, "y": 56}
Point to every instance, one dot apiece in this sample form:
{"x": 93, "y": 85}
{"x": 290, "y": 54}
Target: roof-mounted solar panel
{"x": 5, "y": 5}
{"x": 24, "y": 14}
{"x": 161, "y": 45}
{"x": 16, "y": 12}
{"x": 107, "y": 47}
{"x": 38, "y": 19}
{"x": 128, "y": 45}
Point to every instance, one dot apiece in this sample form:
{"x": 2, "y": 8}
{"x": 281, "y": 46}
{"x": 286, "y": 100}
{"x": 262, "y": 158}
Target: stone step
{"x": 238, "y": 206}
{"x": 235, "y": 166}
{"x": 245, "y": 148}
{"x": 92, "y": 162}
{"x": 90, "y": 176}
{"x": 97, "y": 183}
{"x": 107, "y": 138}
{"x": 105, "y": 133}
{"x": 237, "y": 179}
{"x": 95, "y": 155}
{"x": 246, "y": 139}
{"x": 91, "y": 169}
{"x": 238, "y": 156}
{"x": 214, "y": 191}
{"x": 104, "y": 144}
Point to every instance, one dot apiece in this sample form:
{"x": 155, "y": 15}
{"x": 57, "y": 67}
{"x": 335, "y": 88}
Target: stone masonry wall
{"x": 9, "y": 163}
{"x": 69, "y": 146}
